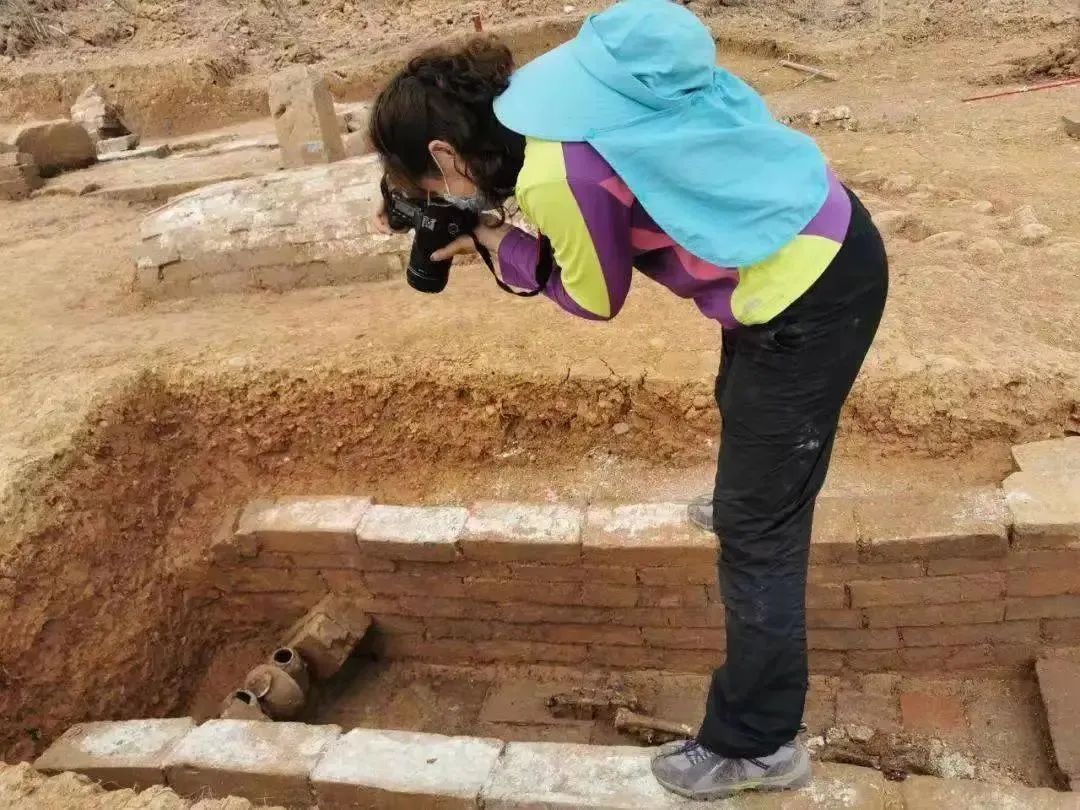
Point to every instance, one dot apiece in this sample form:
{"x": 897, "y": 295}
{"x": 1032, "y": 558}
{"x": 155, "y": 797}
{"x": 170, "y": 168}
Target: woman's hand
{"x": 488, "y": 236}
{"x": 380, "y": 221}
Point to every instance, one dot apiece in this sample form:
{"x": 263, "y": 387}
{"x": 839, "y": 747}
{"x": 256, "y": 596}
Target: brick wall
{"x": 958, "y": 580}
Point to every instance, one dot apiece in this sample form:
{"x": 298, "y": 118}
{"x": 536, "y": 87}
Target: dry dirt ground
{"x": 126, "y": 426}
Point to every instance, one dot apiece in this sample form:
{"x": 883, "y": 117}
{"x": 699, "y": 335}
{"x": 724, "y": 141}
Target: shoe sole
{"x": 793, "y": 781}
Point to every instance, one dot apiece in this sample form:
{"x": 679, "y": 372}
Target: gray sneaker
{"x": 700, "y": 512}
{"x": 693, "y": 771}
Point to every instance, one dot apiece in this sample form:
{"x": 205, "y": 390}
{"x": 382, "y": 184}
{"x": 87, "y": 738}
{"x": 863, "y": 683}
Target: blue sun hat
{"x": 696, "y": 145}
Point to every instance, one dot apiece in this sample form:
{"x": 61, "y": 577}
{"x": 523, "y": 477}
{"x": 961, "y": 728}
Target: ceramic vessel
{"x": 279, "y": 694}
{"x": 289, "y": 660}
{"x": 242, "y": 705}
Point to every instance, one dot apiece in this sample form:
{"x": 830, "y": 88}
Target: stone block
{"x": 122, "y": 143}
{"x": 328, "y": 634}
{"x": 304, "y": 117}
{"x": 558, "y": 776}
{"x": 266, "y": 763}
{"x": 416, "y": 533}
{"x": 298, "y": 525}
{"x": 1059, "y": 685}
{"x": 934, "y": 615}
{"x": 930, "y": 793}
{"x": 968, "y": 523}
{"x": 511, "y": 532}
{"x": 354, "y": 116}
{"x": 645, "y": 535}
{"x": 356, "y": 144}
{"x": 121, "y": 754}
{"x": 1049, "y": 456}
{"x": 928, "y": 590}
{"x": 402, "y": 770}
{"x": 99, "y": 117}
{"x": 1045, "y": 508}
{"x": 56, "y": 146}
{"x": 834, "y": 536}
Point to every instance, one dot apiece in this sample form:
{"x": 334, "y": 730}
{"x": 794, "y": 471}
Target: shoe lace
{"x": 695, "y": 752}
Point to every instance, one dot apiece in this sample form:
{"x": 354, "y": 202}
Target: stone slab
{"x": 295, "y": 525}
{"x": 121, "y": 754}
{"x": 304, "y": 117}
{"x": 1059, "y": 685}
{"x": 412, "y": 532}
{"x": 553, "y": 776}
{"x": 968, "y": 523}
{"x": 1049, "y": 456}
{"x": 928, "y": 793}
{"x": 514, "y": 532}
{"x": 267, "y": 763}
{"x": 401, "y": 770}
{"x": 648, "y": 534}
{"x": 1045, "y": 508}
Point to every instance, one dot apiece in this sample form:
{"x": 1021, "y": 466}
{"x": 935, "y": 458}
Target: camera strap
{"x": 545, "y": 261}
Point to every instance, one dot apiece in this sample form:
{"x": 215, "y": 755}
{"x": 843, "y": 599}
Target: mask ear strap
{"x": 544, "y": 266}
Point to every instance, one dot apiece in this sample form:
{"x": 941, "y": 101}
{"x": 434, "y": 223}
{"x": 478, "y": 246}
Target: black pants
{"x": 780, "y": 390}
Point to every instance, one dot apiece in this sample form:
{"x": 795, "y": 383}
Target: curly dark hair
{"x": 447, "y": 94}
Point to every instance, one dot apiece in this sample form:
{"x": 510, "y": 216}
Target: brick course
{"x": 627, "y": 586}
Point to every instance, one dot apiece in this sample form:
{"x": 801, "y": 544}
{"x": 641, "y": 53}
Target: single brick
{"x": 471, "y": 629}
{"x": 508, "y": 532}
{"x": 698, "y": 575}
{"x": 606, "y": 594}
{"x": 964, "y": 634}
{"x": 397, "y": 625}
{"x": 850, "y": 573}
{"x": 266, "y": 763}
{"x": 1045, "y": 509}
{"x": 346, "y": 581}
{"x": 572, "y": 633}
{"x": 304, "y": 525}
{"x": 825, "y": 596}
{"x": 969, "y": 523}
{"x": 1043, "y": 582}
{"x": 1045, "y": 558}
{"x": 1043, "y": 607}
{"x": 646, "y": 535}
{"x": 1049, "y": 456}
{"x": 458, "y": 568}
{"x": 412, "y": 532}
{"x": 455, "y": 650}
{"x": 499, "y": 590}
{"x": 852, "y": 639}
{"x": 874, "y": 709}
{"x": 539, "y": 572}
{"x": 346, "y": 561}
{"x": 928, "y": 590}
{"x": 403, "y": 769}
{"x": 693, "y": 596}
{"x": 1061, "y": 631}
{"x": 934, "y": 615}
{"x": 685, "y": 638}
{"x": 834, "y": 536}
{"x": 826, "y": 661}
{"x": 416, "y": 584}
{"x": 327, "y": 636}
{"x": 122, "y": 754}
{"x": 834, "y": 619}
{"x": 266, "y": 580}
{"x": 937, "y": 568}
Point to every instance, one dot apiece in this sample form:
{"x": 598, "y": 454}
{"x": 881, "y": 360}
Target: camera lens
{"x": 423, "y": 274}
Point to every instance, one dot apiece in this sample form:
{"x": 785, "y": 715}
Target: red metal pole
{"x": 1031, "y": 88}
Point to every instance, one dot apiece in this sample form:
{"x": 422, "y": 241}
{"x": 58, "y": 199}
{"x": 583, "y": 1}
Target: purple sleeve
{"x": 599, "y": 219}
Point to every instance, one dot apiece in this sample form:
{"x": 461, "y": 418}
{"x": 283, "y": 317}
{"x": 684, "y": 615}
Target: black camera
{"x": 436, "y": 225}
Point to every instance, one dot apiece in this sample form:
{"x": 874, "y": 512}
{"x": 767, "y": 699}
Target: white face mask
{"x": 476, "y": 203}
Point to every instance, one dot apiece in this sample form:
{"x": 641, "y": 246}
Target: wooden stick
{"x": 626, "y": 720}
{"x": 813, "y": 71}
{"x": 1031, "y": 88}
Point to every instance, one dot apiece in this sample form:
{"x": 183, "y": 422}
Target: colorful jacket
{"x": 600, "y": 232}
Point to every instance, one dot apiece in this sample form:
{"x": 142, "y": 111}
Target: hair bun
{"x": 474, "y": 74}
